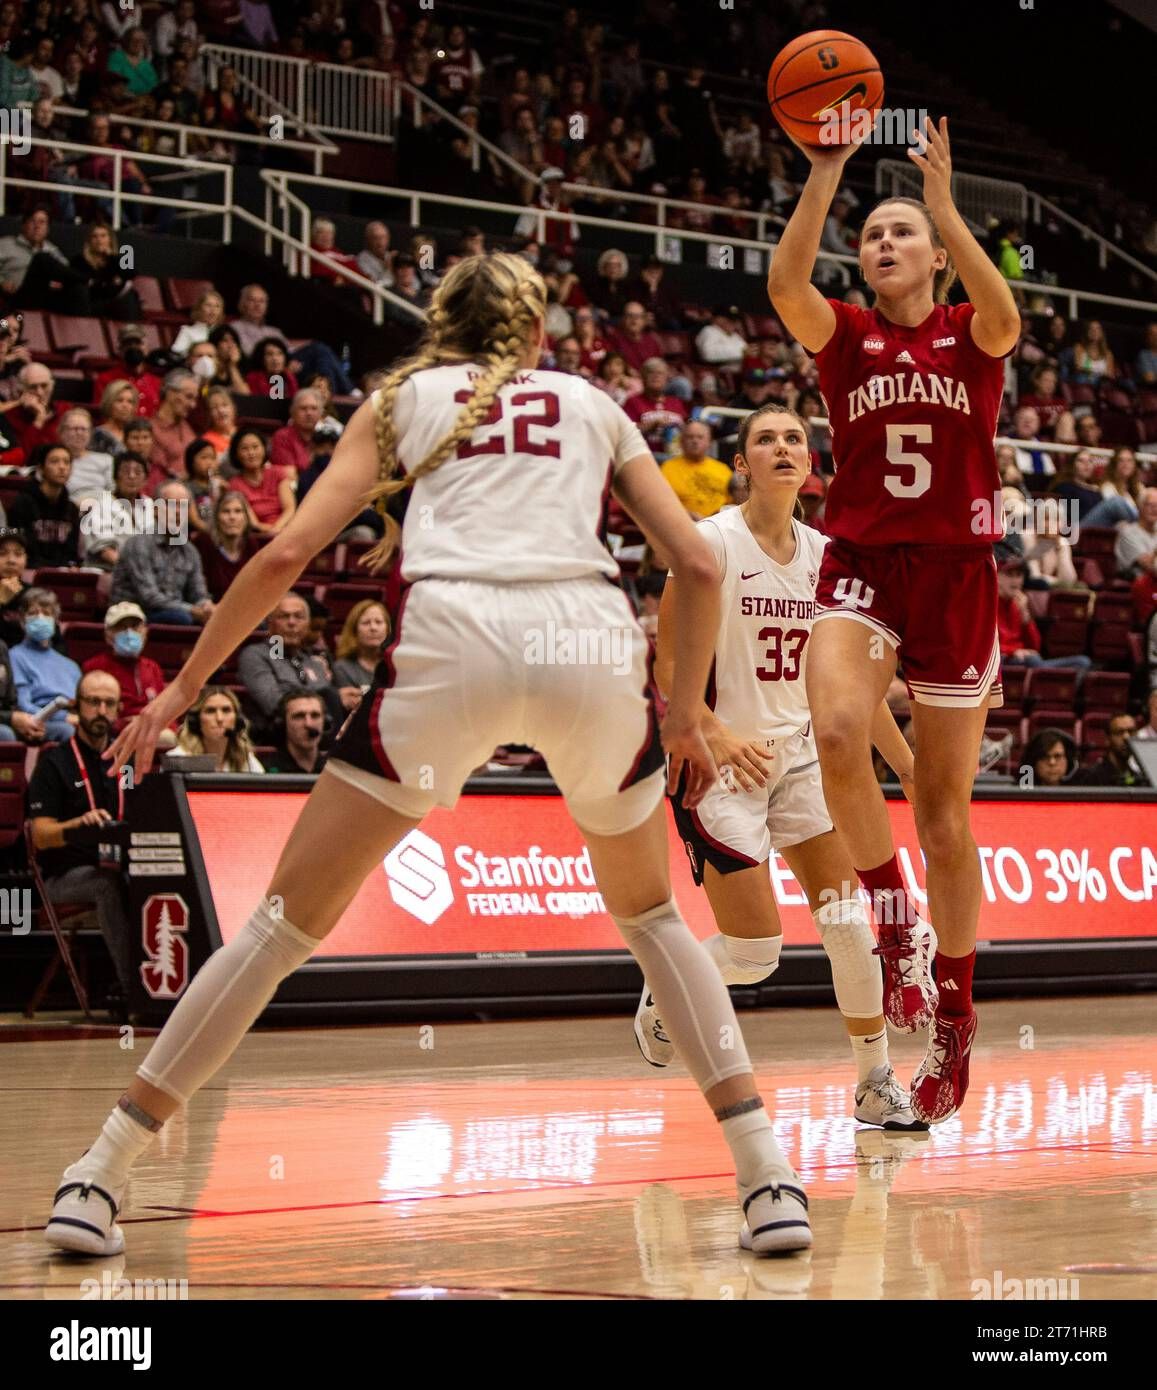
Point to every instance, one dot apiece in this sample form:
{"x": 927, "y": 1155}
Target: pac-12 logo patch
{"x": 164, "y": 922}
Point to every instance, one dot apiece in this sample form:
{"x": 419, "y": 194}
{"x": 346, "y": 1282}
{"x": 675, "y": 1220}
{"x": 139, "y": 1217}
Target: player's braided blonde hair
{"x": 483, "y": 312}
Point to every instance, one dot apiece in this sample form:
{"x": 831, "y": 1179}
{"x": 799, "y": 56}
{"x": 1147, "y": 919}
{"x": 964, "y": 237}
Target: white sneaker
{"x": 882, "y": 1101}
{"x": 84, "y": 1216}
{"x": 775, "y": 1219}
{"x": 656, "y": 1047}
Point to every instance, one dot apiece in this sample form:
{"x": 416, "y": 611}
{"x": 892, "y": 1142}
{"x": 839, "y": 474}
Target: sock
{"x": 119, "y": 1144}
{"x": 890, "y": 900}
{"x": 755, "y": 1149}
{"x": 870, "y": 1052}
{"x": 744, "y": 960}
{"x": 691, "y": 998}
{"x": 954, "y": 980}
{"x": 223, "y": 1002}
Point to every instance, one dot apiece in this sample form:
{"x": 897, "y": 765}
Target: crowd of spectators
{"x": 162, "y": 488}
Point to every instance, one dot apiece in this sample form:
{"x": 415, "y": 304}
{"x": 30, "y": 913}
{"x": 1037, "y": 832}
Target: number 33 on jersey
{"x": 913, "y": 412}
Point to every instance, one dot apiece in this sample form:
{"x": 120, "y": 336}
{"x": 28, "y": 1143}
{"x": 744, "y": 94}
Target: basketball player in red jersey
{"x": 913, "y": 389}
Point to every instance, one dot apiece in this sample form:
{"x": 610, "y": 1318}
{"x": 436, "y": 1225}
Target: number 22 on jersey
{"x": 524, "y": 421}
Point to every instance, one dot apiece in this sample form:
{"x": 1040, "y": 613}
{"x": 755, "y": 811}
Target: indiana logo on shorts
{"x": 853, "y": 593}
{"x": 164, "y": 922}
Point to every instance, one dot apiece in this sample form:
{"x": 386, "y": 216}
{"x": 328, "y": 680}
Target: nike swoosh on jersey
{"x": 751, "y": 575}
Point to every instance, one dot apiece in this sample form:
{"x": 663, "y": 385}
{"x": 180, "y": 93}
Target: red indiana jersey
{"x": 913, "y": 414}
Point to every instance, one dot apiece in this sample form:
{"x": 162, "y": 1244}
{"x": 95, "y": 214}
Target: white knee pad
{"x": 846, "y": 932}
{"x": 743, "y": 960}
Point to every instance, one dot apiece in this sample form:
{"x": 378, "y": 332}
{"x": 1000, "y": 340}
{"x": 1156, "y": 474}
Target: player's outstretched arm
{"x": 806, "y": 314}
{"x": 645, "y": 493}
{"x": 996, "y": 323}
{"x": 329, "y": 508}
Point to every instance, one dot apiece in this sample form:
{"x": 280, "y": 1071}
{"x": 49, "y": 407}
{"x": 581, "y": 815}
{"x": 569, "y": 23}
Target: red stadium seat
{"x": 1095, "y": 730}
{"x": 171, "y": 644}
{"x": 1105, "y": 692}
{"x": 1066, "y": 638}
{"x": 325, "y": 568}
{"x": 34, "y": 332}
{"x": 13, "y": 780}
{"x": 340, "y": 598}
{"x": 83, "y": 336}
{"x": 1111, "y": 643}
{"x": 1114, "y": 608}
{"x": 1014, "y": 679}
{"x": 1062, "y": 719}
{"x": 1067, "y": 606}
{"x": 183, "y": 294}
{"x": 148, "y": 287}
{"x": 76, "y": 590}
{"x": 1053, "y": 689}
{"x": 83, "y": 640}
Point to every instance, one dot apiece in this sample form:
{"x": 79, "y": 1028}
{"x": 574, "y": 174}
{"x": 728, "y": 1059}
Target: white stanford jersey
{"x": 758, "y": 686}
{"x": 525, "y": 497}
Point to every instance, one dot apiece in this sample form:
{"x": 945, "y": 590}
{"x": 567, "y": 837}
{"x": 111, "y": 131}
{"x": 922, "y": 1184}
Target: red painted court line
{"x": 195, "y": 1213}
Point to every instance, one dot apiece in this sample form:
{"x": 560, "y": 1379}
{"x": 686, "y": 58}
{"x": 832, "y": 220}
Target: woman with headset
{"x": 215, "y": 725}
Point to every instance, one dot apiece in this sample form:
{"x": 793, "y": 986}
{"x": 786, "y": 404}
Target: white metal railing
{"x": 667, "y": 243}
{"x": 731, "y": 412}
{"x": 322, "y": 97}
{"x": 662, "y": 206}
{"x": 982, "y": 198}
{"x": 419, "y": 102}
{"x": 297, "y": 257}
{"x": 976, "y": 198}
{"x": 195, "y": 134}
{"x": 116, "y": 193}
{"x": 1105, "y": 248}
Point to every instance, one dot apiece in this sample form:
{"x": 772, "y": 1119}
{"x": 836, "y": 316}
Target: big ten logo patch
{"x": 164, "y": 922}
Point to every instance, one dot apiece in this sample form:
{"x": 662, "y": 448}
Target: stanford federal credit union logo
{"x": 533, "y": 883}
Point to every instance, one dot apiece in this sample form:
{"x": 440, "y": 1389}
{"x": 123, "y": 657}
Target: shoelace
{"x": 947, "y": 1045}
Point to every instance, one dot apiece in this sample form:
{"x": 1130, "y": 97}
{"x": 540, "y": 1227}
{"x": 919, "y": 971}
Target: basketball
{"x": 813, "y": 78}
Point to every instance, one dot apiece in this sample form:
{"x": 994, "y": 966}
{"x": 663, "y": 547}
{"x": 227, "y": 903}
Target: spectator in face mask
{"x": 139, "y": 677}
{"x": 43, "y": 674}
{"x": 131, "y": 367}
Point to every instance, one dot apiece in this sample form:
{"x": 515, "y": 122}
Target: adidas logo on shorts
{"x": 972, "y": 674}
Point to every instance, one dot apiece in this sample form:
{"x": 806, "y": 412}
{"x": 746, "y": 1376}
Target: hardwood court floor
{"x": 545, "y": 1160}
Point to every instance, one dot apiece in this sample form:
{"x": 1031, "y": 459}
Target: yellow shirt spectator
{"x": 700, "y": 482}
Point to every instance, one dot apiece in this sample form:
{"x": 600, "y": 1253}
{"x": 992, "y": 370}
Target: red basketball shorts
{"x": 934, "y": 605}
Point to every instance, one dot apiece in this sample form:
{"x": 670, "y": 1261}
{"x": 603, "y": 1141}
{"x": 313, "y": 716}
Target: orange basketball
{"x": 814, "y": 76}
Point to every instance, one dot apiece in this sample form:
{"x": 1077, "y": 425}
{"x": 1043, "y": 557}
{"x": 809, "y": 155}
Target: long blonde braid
{"x": 481, "y": 312}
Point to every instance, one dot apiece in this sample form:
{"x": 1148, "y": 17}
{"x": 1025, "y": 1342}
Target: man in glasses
{"x": 71, "y": 787}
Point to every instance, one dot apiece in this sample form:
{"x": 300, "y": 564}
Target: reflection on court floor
{"x": 540, "y": 1159}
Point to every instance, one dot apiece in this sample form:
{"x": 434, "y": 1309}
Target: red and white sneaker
{"x": 910, "y": 993}
{"x": 941, "y": 1080}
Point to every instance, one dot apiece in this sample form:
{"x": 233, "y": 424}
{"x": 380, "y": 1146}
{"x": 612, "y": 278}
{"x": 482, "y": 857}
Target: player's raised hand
{"x": 828, "y": 156}
{"x": 685, "y": 746}
{"x": 138, "y": 739}
{"x": 934, "y": 160}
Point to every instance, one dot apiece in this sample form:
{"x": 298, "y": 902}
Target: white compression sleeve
{"x": 689, "y": 994}
{"x": 223, "y": 1002}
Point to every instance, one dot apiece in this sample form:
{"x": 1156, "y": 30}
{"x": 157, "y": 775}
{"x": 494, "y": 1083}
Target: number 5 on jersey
{"x": 920, "y": 466}
{"x": 524, "y": 421}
